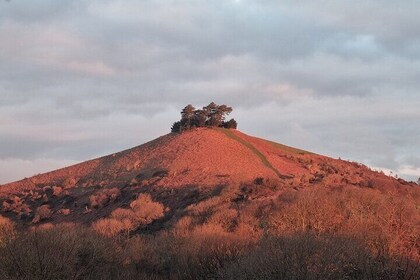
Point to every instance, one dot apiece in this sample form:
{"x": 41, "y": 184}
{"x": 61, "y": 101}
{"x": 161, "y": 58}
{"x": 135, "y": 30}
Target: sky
{"x": 82, "y": 79}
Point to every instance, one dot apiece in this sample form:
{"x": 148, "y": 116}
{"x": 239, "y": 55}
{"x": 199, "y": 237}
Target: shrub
{"x": 60, "y": 253}
{"x": 64, "y": 211}
{"x": 17, "y": 205}
{"x": 199, "y": 255}
{"x": 7, "y": 230}
{"x": 42, "y": 213}
{"x": 176, "y": 127}
{"x": 109, "y": 227}
{"x": 142, "y": 211}
{"x": 104, "y": 197}
{"x": 231, "y": 124}
{"x": 146, "y": 210}
{"x": 307, "y": 256}
{"x": 57, "y": 191}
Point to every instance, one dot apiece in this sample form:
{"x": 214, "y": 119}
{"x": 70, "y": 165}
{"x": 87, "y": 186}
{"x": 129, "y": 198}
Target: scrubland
{"x": 254, "y": 230}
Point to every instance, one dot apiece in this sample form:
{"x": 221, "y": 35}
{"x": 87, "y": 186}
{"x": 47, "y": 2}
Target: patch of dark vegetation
{"x": 212, "y": 115}
{"x": 154, "y": 173}
{"x": 66, "y": 201}
{"x": 141, "y": 176}
{"x": 160, "y": 173}
{"x": 259, "y": 181}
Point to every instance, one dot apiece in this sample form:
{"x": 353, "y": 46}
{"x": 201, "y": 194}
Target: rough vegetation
{"x": 142, "y": 212}
{"x": 314, "y": 233}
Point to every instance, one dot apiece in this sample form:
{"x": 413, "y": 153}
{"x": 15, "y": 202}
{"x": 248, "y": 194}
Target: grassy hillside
{"x": 288, "y": 148}
{"x": 229, "y": 133}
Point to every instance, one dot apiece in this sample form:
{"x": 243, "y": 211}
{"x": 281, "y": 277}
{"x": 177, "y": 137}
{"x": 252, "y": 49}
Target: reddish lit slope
{"x": 202, "y": 156}
{"x": 177, "y": 168}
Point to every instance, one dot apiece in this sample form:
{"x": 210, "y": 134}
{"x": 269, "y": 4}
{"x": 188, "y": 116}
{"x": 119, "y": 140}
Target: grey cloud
{"x": 174, "y": 49}
{"x": 41, "y": 11}
{"x": 413, "y": 160}
{"x": 395, "y": 25}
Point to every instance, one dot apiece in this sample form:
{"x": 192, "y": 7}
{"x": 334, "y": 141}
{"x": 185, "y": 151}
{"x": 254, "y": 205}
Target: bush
{"x": 231, "y": 124}
{"x": 17, "y": 205}
{"x": 109, "y": 227}
{"x": 42, "y": 213}
{"x": 199, "y": 255}
{"x": 60, "y": 253}
{"x": 143, "y": 211}
{"x": 7, "y": 230}
{"x": 146, "y": 210}
{"x": 57, "y": 191}
{"x": 104, "y": 197}
{"x": 307, "y": 256}
{"x": 176, "y": 127}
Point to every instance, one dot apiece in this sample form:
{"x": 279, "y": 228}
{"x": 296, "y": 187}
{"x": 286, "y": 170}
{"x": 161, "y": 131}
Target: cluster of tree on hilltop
{"x": 212, "y": 115}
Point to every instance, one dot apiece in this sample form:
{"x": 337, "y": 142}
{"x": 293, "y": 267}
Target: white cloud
{"x": 409, "y": 170}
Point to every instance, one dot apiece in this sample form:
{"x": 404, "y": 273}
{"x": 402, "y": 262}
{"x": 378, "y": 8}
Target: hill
{"x": 211, "y": 202}
{"x": 204, "y": 157}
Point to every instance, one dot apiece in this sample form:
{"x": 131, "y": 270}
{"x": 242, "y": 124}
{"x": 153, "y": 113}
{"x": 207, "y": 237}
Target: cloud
{"x": 14, "y": 169}
{"x": 336, "y": 77}
{"x": 409, "y": 170}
